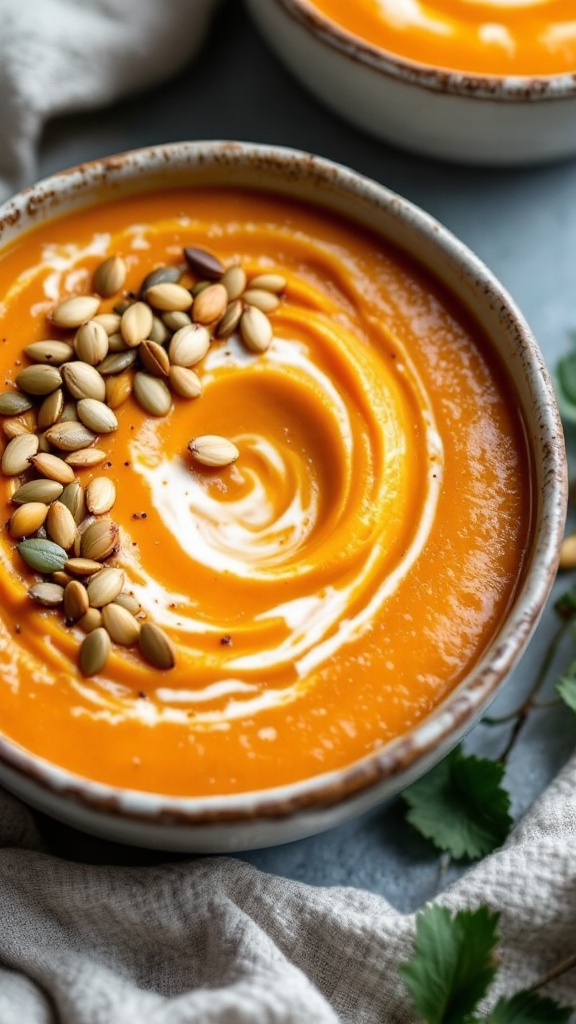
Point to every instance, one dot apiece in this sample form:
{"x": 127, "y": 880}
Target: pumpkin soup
{"x": 265, "y": 488}
{"x": 479, "y": 37}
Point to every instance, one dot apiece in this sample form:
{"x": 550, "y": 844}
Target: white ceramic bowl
{"x": 268, "y": 817}
{"x": 449, "y": 115}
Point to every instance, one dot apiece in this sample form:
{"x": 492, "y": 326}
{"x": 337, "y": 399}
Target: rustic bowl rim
{"x": 440, "y": 730}
{"x": 498, "y": 88}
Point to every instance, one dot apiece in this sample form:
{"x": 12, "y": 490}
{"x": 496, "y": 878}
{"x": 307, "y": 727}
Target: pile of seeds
{"x": 64, "y": 406}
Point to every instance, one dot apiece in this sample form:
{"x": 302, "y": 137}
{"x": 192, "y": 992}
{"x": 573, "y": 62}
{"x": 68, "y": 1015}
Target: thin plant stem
{"x": 567, "y": 965}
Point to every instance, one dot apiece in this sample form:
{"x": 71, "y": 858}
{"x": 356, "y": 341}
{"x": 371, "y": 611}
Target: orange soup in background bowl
{"x": 283, "y": 487}
{"x": 474, "y": 81}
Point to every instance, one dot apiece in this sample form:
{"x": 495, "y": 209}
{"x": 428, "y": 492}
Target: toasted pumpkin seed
{"x": 104, "y": 586}
{"x": 74, "y": 311}
{"x": 234, "y": 281}
{"x": 50, "y": 410}
{"x": 210, "y": 305}
{"x": 83, "y": 380}
{"x": 76, "y": 602}
{"x": 61, "y": 577}
{"x": 203, "y": 263}
{"x": 48, "y": 594}
{"x": 136, "y": 323}
{"x": 96, "y": 416}
{"x": 53, "y": 352}
{"x": 185, "y": 382}
{"x": 199, "y": 287}
{"x": 256, "y": 329}
{"x": 83, "y": 566}
{"x": 269, "y": 282}
{"x": 152, "y": 394}
{"x": 42, "y": 555}
{"x": 100, "y": 495}
{"x": 129, "y": 602}
{"x": 18, "y": 453}
{"x": 94, "y": 651}
{"x": 259, "y": 297}
{"x": 15, "y": 427}
{"x": 91, "y": 620}
{"x": 109, "y": 321}
{"x": 122, "y": 627}
{"x": 52, "y": 467}
{"x": 43, "y": 491}
{"x": 13, "y": 403}
{"x": 27, "y": 519}
{"x": 154, "y": 358}
{"x": 70, "y": 436}
{"x": 60, "y": 525}
{"x": 189, "y": 345}
{"x": 156, "y": 646}
{"x": 212, "y": 450}
{"x": 117, "y": 362}
{"x": 109, "y": 277}
{"x": 86, "y": 457}
{"x": 161, "y": 275}
{"x": 174, "y": 321}
{"x": 91, "y": 343}
{"x": 160, "y": 332}
{"x": 39, "y": 379}
{"x": 229, "y": 322}
{"x": 73, "y": 497}
{"x": 69, "y": 414}
{"x": 116, "y": 343}
{"x": 118, "y": 388}
{"x": 99, "y": 540}
{"x": 169, "y": 298}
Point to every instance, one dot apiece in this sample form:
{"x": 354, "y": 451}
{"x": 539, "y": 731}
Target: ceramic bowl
{"x": 274, "y": 816}
{"x": 448, "y": 115}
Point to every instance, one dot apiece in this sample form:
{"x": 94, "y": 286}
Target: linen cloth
{"x": 212, "y": 940}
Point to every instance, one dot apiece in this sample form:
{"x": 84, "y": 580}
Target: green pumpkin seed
{"x": 94, "y": 651}
{"x": 13, "y": 403}
{"x": 44, "y": 491}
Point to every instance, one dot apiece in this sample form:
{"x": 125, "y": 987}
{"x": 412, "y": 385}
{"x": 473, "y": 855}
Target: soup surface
{"x": 328, "y": 588}
{"x": 485, "y": 37}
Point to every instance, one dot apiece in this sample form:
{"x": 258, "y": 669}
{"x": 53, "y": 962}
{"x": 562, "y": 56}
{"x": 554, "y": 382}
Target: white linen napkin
{"x": 214, "y": 941}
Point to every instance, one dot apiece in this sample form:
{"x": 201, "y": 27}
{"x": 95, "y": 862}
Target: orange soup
{"x": 306, "y": 601}
{"x": 484, "y": 37}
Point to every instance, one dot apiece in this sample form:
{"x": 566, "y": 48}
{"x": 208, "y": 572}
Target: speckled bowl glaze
{"x": 273, "y": 816}
{"x": 448, "y": 115}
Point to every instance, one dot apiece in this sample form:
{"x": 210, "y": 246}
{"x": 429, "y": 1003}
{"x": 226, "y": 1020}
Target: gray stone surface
{"x": 522, "y": 223}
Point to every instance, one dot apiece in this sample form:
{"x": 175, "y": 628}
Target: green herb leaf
{"x": 528, "y": 1008}
{"x": 453, "y": 963}
{"x": 461, "y": 806}
{"x": 565, "y": 605}
{"x": 566, "y": 387}
{"x": 566, "y": 689}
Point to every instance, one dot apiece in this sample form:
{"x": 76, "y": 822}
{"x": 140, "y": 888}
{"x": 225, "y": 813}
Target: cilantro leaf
{"x": 461, "y": 806}
{"x": 453, "y": 962}
{"x": 566, "y": 689}
{"x": 528, "y": 1008}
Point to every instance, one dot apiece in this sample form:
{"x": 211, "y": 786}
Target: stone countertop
{"x": 521, "y": 222}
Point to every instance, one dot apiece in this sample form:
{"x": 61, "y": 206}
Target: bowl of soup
{"x": 283, "y": 487}
{"x": 486, "y": 82}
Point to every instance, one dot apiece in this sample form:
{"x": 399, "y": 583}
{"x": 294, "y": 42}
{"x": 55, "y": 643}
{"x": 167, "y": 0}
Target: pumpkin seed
{"x": 161, "y": 275}
{"x": 104, "y": 586}
{"x": 96, "y": 416}
{"x": 169, "y": 298}
{"x": 99, "y": 540}
{"x": 174, "y": 321}
{"x": 123, "y": 305}
{"x": 136, "y": 323}
{"x": 86, "y": 457}
{"x": 74, "y": 498}
{"x": 52, "y": 467}
{"x": 83, "y": 380}
{"x": 39, "y": 379}
{"x": 118, "y": 389}
{"x": 17, "y": 454}
{"x": 129, "y": 602}
{"x": 42, "y": 555}
{"x": 50, "y": 410}
{"x": 53, "y": 352}
{"x": 109, "y": 277}
{"x": 210, "y": 305}
{"x": 69, "y": 414}
{"x": 60, "y": 525}
{"x": 185, "y": 382}
{"x": 15, "y": 427}
{"x": 189, "y": 345}
{"x": 152, "y": 394}
{"x": 83, "y": 566}
{"x": 70, "y": 436}
{"x": 156, "y": 646}
{"x": 203, "y": 263}
{"x": 256, "y": 329}
{"x": 154, "y": 358}
{"x": 259, "y": 297}
{"x": 199, "y": 287}
{"x": 109, "y": 321}
{"x": 94, "y": 651}
{"x": 48, "y": 594}
{"x": 212, "y": 450}
{"x": 100, "y": 495}
{"x": 160, "y": 332}
{"x": 117, "y": 362}
{"x": 61, "y": 577}
{"x": 43, "y": 491}
{"x": 91, "y": 620}
{"x": 269, "y": 282}
{"x": 122, "y": 627}
{"x": 74, "y": 311}
{"x": 116, "y": 343}
{"x": 13, "y": 403}
{"x": 234, "y": 281}
{"x": 91, "y": 343}
{"x": 27, "y": 519}
{"x": 229, "y": 322}
{"x": 76, "y": 602}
